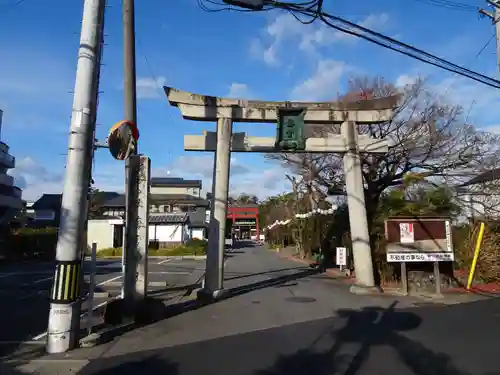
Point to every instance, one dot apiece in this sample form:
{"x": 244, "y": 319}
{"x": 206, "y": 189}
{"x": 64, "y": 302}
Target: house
{"x": 46, "y": 211}
{"x": 177, "y": 214}
{"x": 11, "y": 203}
{"x": 479, "y": 197}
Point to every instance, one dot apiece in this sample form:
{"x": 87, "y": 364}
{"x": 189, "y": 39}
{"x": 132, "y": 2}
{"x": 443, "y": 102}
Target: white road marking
{"x": 29, "y": 342}
{"x": 46, "y": 272}
{"x": 33, "y": 294}
{"x": 37, "y": 281}
{"x": 110, "y": 265}
{"x": 108, "y": 280}
{"x": 164, "y": 261}
{"x": 170, "y": 272}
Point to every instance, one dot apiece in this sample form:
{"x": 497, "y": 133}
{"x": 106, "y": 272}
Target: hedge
{"x": 193, "y": 247}
{"x": 28, "y": 243}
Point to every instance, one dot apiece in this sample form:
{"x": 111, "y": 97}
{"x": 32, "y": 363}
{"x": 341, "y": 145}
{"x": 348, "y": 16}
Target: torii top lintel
{"x": 210, "y": 108}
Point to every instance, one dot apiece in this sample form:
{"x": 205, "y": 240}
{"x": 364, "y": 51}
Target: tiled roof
{"x": 175, "y": 182}
{"x": 177, "y": 198}
{"x": 163, "y": 218}
{"x": 48, "y": 201}
{"x": 117, "y": 201}
{"x": 169, "y": 218}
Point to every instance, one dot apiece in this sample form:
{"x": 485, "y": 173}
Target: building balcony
{"x": 6, "y": 180}
{"x": 11, "y": 201}
{"x": 4, "y": 147}
{"x": 7, "y": 160}
{"x": 16, "y": 192}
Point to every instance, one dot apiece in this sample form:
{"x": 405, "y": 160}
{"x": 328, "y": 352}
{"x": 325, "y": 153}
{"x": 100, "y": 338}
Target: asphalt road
{"x": 288, "y": 321}
{"x": 24, "y": 289}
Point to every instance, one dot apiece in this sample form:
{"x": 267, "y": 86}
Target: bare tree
{"x": 428, "y": 136}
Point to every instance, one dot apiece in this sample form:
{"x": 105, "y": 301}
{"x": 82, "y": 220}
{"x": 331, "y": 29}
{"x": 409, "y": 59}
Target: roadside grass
{"x": 191, "y": 248}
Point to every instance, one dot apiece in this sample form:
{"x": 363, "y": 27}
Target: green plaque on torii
{"x": 290, "y": 129}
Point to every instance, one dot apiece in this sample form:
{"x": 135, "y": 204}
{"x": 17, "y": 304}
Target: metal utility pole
{"x": 495, "y": 17}
{"x": 136, "y": 188}
{"x": 65, "y": 304}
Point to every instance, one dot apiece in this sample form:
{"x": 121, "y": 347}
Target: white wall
{"x": 197, "y": 233}
{"x": 100, "y": 232}
{"x": 166, "y": 233}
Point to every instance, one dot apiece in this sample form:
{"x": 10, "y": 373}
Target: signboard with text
{"x": 341, "y": 256}
{"x": 419, "y": 239}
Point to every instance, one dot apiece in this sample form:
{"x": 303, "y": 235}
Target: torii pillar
{"x": 223, "y": 142}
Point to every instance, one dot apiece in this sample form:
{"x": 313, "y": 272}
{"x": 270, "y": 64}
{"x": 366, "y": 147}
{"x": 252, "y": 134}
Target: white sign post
{"x": 341, "y": 257}
{"x": 90, "y": 310}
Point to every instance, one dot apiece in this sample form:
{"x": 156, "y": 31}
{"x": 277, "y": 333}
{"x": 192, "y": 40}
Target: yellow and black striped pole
{"x": 66, "y": 286}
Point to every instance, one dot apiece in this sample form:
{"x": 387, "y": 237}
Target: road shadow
{"x": 244, "y": 275}
{"x": 368, "y": 328}
{"x": 147, "y": 362}
{"x": 154, "y": 309}
{"x": 19, "y": 326}
{"x": 276, "y": 281}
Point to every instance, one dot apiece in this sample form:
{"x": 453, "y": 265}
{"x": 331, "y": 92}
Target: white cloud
{"x": 405, "y": 80}
{"x": 243, "y": 179}
{"x": 239, "y": 91}
{"x": 323, "y": 84}
{"x": 285, "y": 28}
{"x": 35, "y": 179}
{"x": 481, "y": 104}
{"x": 149, "y": 88}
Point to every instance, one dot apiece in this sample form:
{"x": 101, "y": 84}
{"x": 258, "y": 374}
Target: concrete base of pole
{"x": 206, "y": 295}
{"x": 64, "y": 327}
{"x": 364, "y": 290}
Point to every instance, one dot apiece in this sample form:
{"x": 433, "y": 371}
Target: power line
{"x": 315, "y": 12}
{"x": 452, "y": 5}
{"x": 18, "y": 2}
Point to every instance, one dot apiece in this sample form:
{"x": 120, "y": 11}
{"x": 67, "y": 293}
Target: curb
{"x": 173, "y": 257}
{"x": 392, "y": 289}
{"x": 151, "y": 283}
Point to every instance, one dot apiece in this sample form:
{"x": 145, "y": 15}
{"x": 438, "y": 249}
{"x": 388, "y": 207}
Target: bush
{"x": 488, "y": 264}
{"x": 31, "y": 243}
{"x": 110, "y": 252}
{"x": 193, "y": 247}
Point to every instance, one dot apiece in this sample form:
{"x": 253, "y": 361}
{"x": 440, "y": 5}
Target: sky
{"x": 267, "y": 55}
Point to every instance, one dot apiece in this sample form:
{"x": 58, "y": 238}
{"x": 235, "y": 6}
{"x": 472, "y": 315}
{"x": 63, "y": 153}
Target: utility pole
{"x": 136, "y": 183}
{"x": 495, "y": 18}
{"x": 65, "y": 304}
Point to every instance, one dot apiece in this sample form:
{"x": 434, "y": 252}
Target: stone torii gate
{"x": 349, "y": 143}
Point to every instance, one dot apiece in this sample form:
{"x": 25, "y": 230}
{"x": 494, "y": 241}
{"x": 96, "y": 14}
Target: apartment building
{"x": 11, "y": 202}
